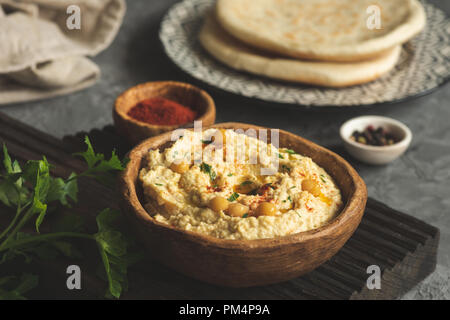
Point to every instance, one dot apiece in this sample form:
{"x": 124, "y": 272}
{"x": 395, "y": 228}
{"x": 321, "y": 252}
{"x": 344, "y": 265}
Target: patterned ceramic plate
{"x": 424, "y": 64}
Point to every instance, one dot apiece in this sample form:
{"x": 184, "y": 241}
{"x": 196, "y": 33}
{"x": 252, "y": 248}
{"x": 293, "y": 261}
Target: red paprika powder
{"x": 162, "y": 111}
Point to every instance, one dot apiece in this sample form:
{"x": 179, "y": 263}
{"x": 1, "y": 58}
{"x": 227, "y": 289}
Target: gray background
{"x": 418, "y": 183}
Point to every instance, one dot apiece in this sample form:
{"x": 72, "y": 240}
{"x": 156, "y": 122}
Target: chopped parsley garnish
{"x": 285, "y": 167}
{"x": 233, "y": 197}
{"x": 159, "y": 184}
{"x": 230, "y": 174}
{"x": 245, "y": 215}
{"x": 290, "y": 151}
{"x": 293, "y": 187}
{"x": 247, "y": 182}
{"x": 322, "y": 177}
{"x": 290, "y": 199}
{"x": 204, "y": 167}
{"x": 280, "y": 156}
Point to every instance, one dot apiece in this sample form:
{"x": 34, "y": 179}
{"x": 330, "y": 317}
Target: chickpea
{"x": 180, "y": 167}
{"x": 312, "y": 187}
{"x": 245, "y": 187}
{"x": 237, "y": 210}
{"x": 266, "y": 209}
{"x": 218, "y": 204}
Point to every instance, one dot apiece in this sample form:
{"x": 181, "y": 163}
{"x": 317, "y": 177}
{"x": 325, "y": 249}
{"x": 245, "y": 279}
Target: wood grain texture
{"x": 404, "y": 247}
{"x": 183, "y": 93}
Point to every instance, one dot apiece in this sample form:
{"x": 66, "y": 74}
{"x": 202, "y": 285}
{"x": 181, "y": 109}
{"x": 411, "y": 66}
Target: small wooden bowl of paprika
{"x": 152, "y": 108}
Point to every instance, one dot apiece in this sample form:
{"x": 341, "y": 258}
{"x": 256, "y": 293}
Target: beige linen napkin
{"x": 40, "y": 57}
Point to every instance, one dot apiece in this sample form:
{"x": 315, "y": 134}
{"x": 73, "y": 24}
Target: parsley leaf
{"x": 41, "y": 210}
{"x": 37, "y": 173}
{"x": 113, "y": 246}
{"x": 12, "y": 191}
{"x": 61, "y": 190}
{"x": 233, "y": 197}
{"x": 206, "y": 168}
{"x": 100, "y": 169}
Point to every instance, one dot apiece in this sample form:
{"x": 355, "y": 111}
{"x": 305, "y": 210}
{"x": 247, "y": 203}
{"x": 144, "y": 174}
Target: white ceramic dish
{"x": 373, "y": 154}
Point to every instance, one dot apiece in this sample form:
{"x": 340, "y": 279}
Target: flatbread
{"x": 240, "y": 56}
{"x": 327, "y": 30}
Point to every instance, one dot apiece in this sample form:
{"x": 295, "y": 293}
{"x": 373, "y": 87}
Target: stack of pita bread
{"x": 332, "y": 43}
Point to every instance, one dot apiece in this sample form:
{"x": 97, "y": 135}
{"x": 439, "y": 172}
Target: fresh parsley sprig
{"x": 32, "y": 192}
{"x": 98, "y": 167}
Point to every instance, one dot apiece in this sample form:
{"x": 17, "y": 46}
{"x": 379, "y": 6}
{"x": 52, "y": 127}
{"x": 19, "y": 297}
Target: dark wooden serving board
{"x": 402, "y": 246}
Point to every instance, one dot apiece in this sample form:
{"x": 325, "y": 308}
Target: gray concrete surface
{"x": 418, "y": 183}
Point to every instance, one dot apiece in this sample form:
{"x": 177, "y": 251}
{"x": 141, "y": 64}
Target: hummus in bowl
{"x": 232, "y": 223}
{"x": 242, "y": 188}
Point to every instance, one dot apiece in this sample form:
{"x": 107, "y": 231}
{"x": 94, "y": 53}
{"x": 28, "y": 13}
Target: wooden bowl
{"x": 183, "y": 93}
{"x": 245, "y": 263}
